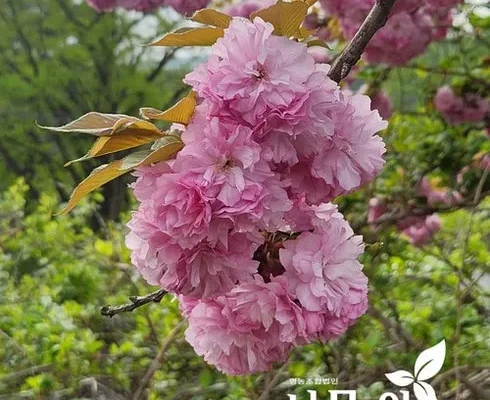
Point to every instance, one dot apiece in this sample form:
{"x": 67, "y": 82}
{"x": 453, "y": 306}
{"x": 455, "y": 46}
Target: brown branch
{"x": 393, "y": 217}
{"x": 168, "y": 56}
{"x": 351, "y": 54}
{"x": 35, "y": 370}
{"x": 476, "y": 389}
{"x": 155, "y": 364}
{"x": 397, "y": 330}
{"x": 136, "y": 301}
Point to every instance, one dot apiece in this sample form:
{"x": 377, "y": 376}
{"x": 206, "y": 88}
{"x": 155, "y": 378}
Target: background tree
{"x": 59, "y": 60}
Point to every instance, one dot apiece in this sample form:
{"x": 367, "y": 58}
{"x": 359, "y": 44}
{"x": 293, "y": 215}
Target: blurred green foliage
{"x": 59, "y": 59}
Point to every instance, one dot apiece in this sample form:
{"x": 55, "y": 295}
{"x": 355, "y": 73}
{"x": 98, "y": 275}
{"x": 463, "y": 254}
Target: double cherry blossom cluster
{"x": 412, "y": 25}
{"x": 240, "y": 225}
{"x": 181, "y": 6}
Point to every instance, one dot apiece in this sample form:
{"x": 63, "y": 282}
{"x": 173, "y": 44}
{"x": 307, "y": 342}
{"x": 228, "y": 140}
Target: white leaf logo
{"x": 424, "y": 391}
{"x": 430, "y": 361}
{"x": 427, "y": 365}
{"x": 401, "y": 378}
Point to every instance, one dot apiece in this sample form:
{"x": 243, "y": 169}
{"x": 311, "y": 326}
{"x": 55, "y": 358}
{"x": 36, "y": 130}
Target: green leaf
{"x": 205, "y": 378}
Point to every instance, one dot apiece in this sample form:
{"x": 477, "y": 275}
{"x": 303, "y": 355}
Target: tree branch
{"x": 351, "y": 54}
{"x": 168, "y": 56}
{"x": 136, "y": 301}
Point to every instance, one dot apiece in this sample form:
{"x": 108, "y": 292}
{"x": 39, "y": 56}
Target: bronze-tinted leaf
{"x": 118, "y": 142}
{"x": 166, "y": 147}
{"x": 309, "y": 2}
{"x": 180, "y": 113}
{"x": 190, "y": 37}
{"x": 286, "y": 17}
{"x": 99, "y": 176}
{"x": 94, "y": 123}
{"x": 211, "y": 17}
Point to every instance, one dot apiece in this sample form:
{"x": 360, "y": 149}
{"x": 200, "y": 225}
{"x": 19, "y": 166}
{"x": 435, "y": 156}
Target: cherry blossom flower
{"x": 182, "y": 6}
{"x": 206, "y": 270}
{"x": 455, "y": 109}
{"x": 422, "y": 230}
{"x": 436, "y": 195}
{"x": 322, "y": 267}
{"x": 245, "y": 8}
{"x": 246, "y": 330}
{"x": 268, "y": 73}
{"x": 382, "y": 102}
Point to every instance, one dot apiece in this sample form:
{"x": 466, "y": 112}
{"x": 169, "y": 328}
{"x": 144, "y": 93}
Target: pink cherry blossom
{"x": 444, "y": 3}
{"x": 439, "y": 195}
{"x": 410, "y": 28}
{"x": 351, "y": 155}
{"x": 187, "y": 6}
{"x": 381, "y": 101}
{"x": 248, "y": 329}
{"x": 321, "y": 266}
{"x": 455, "y": 110}
{"x": 230, "y": 162}
{"x": 319, "y": 54}
{"x": 207, "y": 270}
{"x": 182, "y": 6}
{"x": 422, "y": 230}
{"x": 376, "y": 209}
{"x": 238, "y": 224}
{"x": 244, "y": 8}
{"x": 404, "y": 37}
{"x": 268, "y": 73}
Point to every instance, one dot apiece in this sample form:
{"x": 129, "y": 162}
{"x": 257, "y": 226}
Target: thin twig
{"x": 155, "y": 364}
{"x": 351, "y": 54}
{"x": 168, "y": 56}
{"x": 136, "y": 301}
{"x": 35, "y": 370}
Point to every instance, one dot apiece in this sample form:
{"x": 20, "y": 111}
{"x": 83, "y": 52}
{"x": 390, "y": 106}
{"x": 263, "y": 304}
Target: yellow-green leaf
{"x": 94, "y": 123}
{"x": 211, "y": 17}
{"x": 99, "y": 176}
{"x": 190, "y": 37}
{"x": 180, "y": 113}
{"x": 286, "y": 17}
